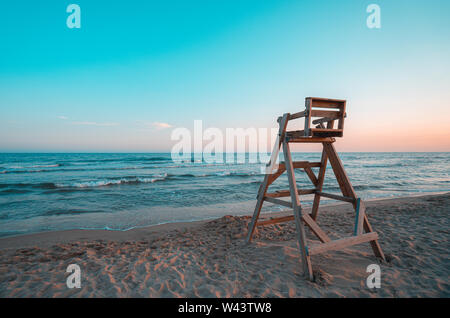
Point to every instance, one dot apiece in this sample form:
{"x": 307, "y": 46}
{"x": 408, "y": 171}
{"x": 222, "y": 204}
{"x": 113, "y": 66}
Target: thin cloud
{"x": 63, "y": 117}
{"x": 93, "y": 123}
{"x": 158, "y": 125}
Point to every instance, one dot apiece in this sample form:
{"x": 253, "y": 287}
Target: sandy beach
{"x": 211, "y": 259}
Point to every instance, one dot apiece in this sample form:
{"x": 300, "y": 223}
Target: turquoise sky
{"x": 134, "y": 64}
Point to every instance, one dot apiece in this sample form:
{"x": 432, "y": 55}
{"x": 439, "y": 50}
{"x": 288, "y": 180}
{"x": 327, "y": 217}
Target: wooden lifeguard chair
{"x": 327, "y": 112}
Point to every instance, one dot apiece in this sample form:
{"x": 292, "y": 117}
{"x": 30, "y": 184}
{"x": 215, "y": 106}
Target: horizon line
{"x": 168, "y": 152}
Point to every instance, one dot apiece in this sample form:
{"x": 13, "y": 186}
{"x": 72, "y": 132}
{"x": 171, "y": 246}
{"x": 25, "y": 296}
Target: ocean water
{"x": 41, "y": 192}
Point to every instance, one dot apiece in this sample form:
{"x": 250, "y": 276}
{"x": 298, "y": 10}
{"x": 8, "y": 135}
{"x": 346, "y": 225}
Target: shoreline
{"x": 211, "y": 258}
{"x": 46, "y": 238}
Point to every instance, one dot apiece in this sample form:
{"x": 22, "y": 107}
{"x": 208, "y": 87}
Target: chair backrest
{"x": 327, "y": 111}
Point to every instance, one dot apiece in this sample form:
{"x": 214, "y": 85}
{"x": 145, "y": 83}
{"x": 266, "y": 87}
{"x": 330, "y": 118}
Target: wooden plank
{"x": 323, "y": 120}
{"x": 278, "y": 201}
{"x": 278, "y": 194}
{"x": 326, "y": 102}
{"x": 300, "y": 165}
{"x": 359, "y": 218}
{"x": 286, "y": 193}
{"x": 323, "y": 237}
{"x": 325, "y": 113}
{"x": 330, "y": 125}
{"x": 325, "y": 130}
{"x": 320, "y": 180}
{"x": 339, "y": 172}
{"x": 335, "y": 197}
{"x": 305, "y": 164}
{"x": 299, "y": 134}
{"x": 342, "y": 243}
{"x": 279, "y": 172}
{"x": 268, "y": 179}
{"x": 331, "y": 133}
{"x": 307, "y": 117}
{"x": 334, "y": 134}
{"x": 297, "y": 209}
{"x": 259, "y": 203}
{"x": 341, "y": 120}
{"x": 311, "y": 175}
{"x": 294, "y": 116}
{"x": 313, "y": 164}
{"x": 326, "y": 99}
{"x": 347, "y": 190}
{"x": 298, "y": 115}
{"x": 295, "y": 134}
{"x": 276, "y": 220}
{"x": 312, "y": 140}
{"x": 374, "y": 244}
{"x": 271, "y": 165}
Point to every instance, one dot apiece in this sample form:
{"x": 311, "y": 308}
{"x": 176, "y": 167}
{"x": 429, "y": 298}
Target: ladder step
{"x": 276, "y": 220}
{"x": 299, "y": 164}
{"x": 335, "y": 197}
{"x": 287, "y": 193}
{"x": 302, "y": 164}
{"x": 342, "y": 243}
{"x": 278, "y": 201}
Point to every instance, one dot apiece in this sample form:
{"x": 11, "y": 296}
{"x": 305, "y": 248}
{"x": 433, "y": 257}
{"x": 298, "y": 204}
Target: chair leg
{"x": 259, "y": 204}
{"x": 269, "y": 177}
{"x": 320, "y": 180}
{"x": 306, "y": 260}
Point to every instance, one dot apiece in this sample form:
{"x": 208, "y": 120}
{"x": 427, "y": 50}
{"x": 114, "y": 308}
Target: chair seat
{"x": 324, "y": 132}
{"x": 316, "y": 132}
